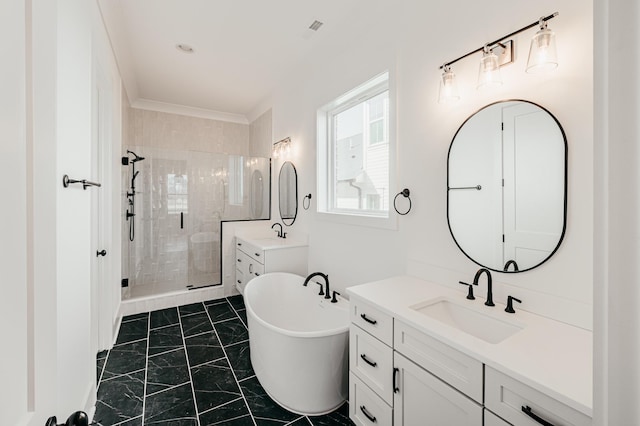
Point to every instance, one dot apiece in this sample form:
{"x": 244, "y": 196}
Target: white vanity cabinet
{"x": 255, "y": 257}
{"x": 390, "y": 386}
{"x": 400, "y": 374}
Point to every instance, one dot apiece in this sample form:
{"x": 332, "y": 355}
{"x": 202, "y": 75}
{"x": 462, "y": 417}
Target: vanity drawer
{"x": 253, "y": 251}
{"x": 506, "y": 396}
{"x": 372, "y": 320}
{"x": 365, "y": 407}
{"x": 372, "y": 361}
{"x": 242, "y": 261}
{"x": 240, "y": 281}
{"x": 248, "y": 265}
{"x": 457, "y": 369}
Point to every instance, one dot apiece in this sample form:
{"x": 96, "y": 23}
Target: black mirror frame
{"x": 295, "y": 172}
{"x": 566, "y": 168}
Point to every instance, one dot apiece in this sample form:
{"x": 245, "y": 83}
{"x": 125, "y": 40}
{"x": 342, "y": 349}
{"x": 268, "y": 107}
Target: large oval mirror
{"x": 507, "y": 186}
{"x": 288, "y": 193}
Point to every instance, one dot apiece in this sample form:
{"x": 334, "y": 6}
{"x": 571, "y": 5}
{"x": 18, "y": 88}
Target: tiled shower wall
{"x": 197, "y": 154}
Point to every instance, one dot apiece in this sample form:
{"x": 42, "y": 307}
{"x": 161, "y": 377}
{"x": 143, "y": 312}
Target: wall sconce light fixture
{"x": 542, "y": 57}
{"x": 448, "y": 86}
{"x": 282, "y": 148}
{"x": 489, "y": 73}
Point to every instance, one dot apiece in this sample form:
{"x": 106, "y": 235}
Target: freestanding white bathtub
{"x": 299, "y": 343}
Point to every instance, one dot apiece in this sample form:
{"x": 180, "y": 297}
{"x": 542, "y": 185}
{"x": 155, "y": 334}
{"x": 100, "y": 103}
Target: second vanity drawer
{"x": 372, "y": 361}
{"x": 372, "y": 320}
{"x": 455, "y": 368}
{"x": 365, "y": 407}
{"x": 506, "y": 397}
{"x": 250, "y": 249}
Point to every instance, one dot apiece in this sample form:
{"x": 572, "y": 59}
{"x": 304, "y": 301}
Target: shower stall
{"x": 176, "y": 201}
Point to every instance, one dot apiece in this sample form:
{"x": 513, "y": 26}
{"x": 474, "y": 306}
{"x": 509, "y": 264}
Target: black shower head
{"x": 136, "y": 156}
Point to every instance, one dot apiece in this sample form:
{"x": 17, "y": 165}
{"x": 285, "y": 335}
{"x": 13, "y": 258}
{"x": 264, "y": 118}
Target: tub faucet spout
{"x": 327, "y": 293}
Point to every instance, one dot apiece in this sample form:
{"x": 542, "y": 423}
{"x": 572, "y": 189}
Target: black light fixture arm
{"x": 493, "y": 43}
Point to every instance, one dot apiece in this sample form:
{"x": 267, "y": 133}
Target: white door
{"x": 423, "y": 399}
{"x": 533, "y": 163}
{"x": 101, "y": 264}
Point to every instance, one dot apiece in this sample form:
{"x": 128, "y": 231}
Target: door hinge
{"x": 501, "y": 126}
{"x": 503, "y": 238}
{"x": 125, "y": 282}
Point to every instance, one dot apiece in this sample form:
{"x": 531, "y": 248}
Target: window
{"x": 355, "y": 152}
{"x": 177, "y": 194}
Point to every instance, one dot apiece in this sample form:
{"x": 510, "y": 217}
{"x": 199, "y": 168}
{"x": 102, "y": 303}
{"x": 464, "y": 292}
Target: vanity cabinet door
{"x": 423, "y": 399}
{"x": 491, "y": 419}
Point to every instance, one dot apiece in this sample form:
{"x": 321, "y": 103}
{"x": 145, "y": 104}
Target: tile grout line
{"x": 230, "y": 366}
{"x": 106, "y": 358}
{"x": 208, "y": 362}
{"x": 146, "y": 370}
{"x": 186, "y": 356}
{"x": 164, "y": 353}
{"x": 132, "y": 341}
{"x": 167, "y": 389}
{"x": 237, "y": 314}
{"x": 222, "y": 405}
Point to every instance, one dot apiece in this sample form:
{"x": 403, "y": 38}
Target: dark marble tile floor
{"x": 189, "y": 366}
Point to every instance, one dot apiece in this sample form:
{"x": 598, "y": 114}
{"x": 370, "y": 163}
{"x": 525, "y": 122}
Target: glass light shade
{"x": 543, "y": 55}
{"x": 276, "y": 151}
{"x": 448, "y": 87}
{"x": 489, "y": 74}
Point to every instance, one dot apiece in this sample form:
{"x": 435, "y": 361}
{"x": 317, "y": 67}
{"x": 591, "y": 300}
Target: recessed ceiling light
{"x": 315, "y": 26}
{"x": 184, "y": 48}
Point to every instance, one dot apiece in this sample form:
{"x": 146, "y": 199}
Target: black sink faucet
{"x": 327, "y": 293}
{"x": 489, "y": 301}
{"x": 280, "y": 233}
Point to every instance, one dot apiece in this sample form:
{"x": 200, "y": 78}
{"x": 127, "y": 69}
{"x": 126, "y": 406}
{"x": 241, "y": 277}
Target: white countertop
{"x": 550, "y": 356}
{"x": 272, "y": 243}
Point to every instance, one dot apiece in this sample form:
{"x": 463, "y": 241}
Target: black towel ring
{"x": 405, "y": 193}
{"x": 306, "y": 202}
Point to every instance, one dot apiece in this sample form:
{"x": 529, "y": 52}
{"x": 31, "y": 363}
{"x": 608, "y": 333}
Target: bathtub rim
{"x": 292, "y": 333}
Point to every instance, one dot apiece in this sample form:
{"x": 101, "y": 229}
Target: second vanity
{"x": 256, "y": 256}
{"x": 422, "y": 354}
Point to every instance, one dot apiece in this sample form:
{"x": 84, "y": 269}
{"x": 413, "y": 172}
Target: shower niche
{"x": 181, "y": 199}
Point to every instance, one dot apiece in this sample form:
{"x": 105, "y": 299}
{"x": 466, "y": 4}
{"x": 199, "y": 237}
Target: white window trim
{"x": 323, "y": 178}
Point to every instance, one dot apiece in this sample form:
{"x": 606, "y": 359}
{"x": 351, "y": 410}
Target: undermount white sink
{"x": 468, "y": 320}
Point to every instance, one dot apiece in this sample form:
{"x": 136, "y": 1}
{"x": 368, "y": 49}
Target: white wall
{"x": 617, "y": 214}
{"x": 411, "y": 40}
{"x": 13, "y": 221}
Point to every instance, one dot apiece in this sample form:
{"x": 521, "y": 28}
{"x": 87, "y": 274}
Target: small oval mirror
{"x": 507, "y": 186}
{"x": 288, "y": 193}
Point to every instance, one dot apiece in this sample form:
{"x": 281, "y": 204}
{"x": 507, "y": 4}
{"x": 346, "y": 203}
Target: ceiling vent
{"x": 315, "y": 26}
